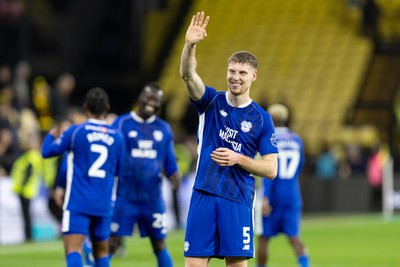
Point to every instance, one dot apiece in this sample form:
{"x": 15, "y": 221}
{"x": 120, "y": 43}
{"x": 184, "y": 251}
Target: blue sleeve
{"x": 62, "y": 172}
{"x": 54, "y": 147}
{"x": 267, "y": 143}
{"x": 170, "y": 163}
{"x": 205, "y": 100}
{"x": 121, "y": 159}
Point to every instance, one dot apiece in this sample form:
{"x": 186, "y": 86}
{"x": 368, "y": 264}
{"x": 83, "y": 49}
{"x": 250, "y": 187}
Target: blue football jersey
{"x": 95, "y": 153}
{"x": 247, "y": 129}
{"x": 285, "y": 188}
{"x": 149, "y": 154}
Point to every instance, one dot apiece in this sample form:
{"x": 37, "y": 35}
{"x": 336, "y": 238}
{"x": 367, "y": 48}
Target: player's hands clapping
{"x": 197, "y": 29}
{"x": 224, "y": 156}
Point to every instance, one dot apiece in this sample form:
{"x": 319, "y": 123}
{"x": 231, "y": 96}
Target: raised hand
{"x": 197, "y": 29}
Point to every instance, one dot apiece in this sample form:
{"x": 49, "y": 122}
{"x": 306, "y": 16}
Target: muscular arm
{"x": 266, "y": 167}
{"x": 194, "y": 34}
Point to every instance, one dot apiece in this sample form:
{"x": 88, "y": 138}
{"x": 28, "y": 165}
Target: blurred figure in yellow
{"x": 30, "y": 170}
{"x": 41, "y": 100}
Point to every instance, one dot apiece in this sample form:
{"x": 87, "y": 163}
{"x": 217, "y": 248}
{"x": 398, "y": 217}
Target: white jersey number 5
{"x": 95, "y": 170}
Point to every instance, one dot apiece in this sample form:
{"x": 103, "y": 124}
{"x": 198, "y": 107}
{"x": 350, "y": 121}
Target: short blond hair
{"x": 279, "y": 112}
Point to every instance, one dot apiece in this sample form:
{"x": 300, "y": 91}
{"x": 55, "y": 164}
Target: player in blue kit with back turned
{"x": 282, "y": 202}
{"x": 149, "y": 156}
{"x": 95, "y": 154}
{"x": 232, "y": 129}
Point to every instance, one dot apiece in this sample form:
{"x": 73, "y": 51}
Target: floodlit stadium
{"x": 333, "y": 63}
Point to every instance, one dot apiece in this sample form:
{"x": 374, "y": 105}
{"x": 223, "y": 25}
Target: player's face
{"x": 239, "y": 77}
{"x": 150, "y": 102}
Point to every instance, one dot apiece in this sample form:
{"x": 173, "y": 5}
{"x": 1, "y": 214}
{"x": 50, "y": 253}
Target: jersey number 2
{"x": 95, "y": 170}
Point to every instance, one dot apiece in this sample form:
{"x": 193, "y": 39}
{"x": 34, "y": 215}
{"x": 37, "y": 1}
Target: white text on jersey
{"x": 228, "y": 135}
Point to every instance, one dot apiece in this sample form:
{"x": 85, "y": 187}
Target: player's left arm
{"x": 121, "y": 155}
{"x": 266, "y": 167}
{"x": 171, "y": 165}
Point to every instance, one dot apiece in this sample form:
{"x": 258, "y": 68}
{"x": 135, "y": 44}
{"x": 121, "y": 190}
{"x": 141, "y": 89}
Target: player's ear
{"x": 107, "y": 108}
{"x": 255, "y": 75}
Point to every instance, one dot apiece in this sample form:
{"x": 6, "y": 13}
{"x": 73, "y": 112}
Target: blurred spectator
{"x": 376, "y": 163}
{"x": 41, "y": 99}
{"x": 27, "y": 173}
{"x": 5, "y": 73}
{"x": 353, "y": 163}
{"x": 22, "y": 73}
{"x": 60, "y": 96}
{"x": 9, "y": 148}
{"x": 326, "y": 163}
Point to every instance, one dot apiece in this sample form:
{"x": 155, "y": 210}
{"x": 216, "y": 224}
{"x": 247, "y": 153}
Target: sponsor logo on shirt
{"x": 229, "y": 135}
{"x": 223, "y": 113}
{"x": 145, "y": 150}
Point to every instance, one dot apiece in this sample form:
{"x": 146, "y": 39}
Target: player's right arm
{"x": 194, "y": 34}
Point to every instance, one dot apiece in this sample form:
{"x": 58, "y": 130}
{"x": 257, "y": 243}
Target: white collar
{"x": 241, "y": 106}
{"x": 136, "y": 117}
{"x": 96, "y": 121}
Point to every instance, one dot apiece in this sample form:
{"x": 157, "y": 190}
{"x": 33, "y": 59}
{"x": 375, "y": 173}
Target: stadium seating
{"x": 311, "y": 56}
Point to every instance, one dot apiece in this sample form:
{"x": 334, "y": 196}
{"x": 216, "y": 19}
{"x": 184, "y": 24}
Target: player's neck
{"x": 100, "y": 117}
{"x": 237, "y": 100}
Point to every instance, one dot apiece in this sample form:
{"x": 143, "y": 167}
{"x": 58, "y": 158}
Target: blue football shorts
{"x": 218, "y": 227}
{"x": 97, "y": 227}
{"x": 150, "y": 216}
{"x": 282, "y": 219}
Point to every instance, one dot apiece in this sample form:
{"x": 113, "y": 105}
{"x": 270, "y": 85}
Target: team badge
{"x": 132, "y": 134}
{"x": 273, "y": 140}
{"x": 245, "y": 126}
{"x": 158, "y": 135}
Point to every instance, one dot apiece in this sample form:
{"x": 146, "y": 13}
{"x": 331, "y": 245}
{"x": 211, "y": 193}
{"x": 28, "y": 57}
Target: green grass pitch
{"x": 333, "y": 241}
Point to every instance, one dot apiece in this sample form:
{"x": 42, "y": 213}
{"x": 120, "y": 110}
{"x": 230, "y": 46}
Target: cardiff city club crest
{"x": 133, "y": 134}
{"x": 158, "y": 135}
{"x": 245, "y": 126}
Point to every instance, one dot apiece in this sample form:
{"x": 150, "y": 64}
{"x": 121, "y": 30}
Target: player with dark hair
{"x": 232, "y": 129}
{"x": 95, "y": 154}
{"x": 282, "y": 203}
{"x": 149, "y": 155}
